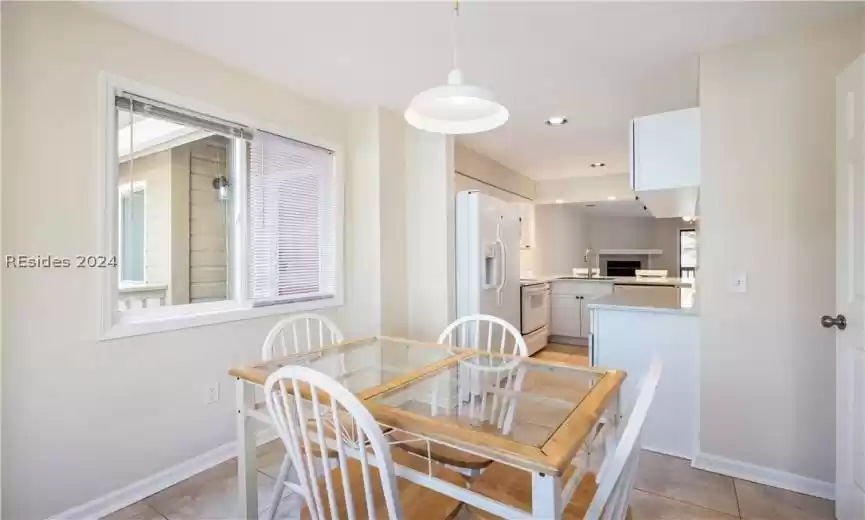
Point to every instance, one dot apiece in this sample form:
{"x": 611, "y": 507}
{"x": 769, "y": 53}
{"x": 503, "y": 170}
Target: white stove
{"x": 535, "y": 313}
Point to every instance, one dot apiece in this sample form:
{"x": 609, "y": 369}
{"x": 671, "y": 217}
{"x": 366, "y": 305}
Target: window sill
{"x": 147, "y": 323}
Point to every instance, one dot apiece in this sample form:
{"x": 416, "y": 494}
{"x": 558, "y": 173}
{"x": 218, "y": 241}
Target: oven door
{"x": 537, "y": 339}
{"x": 535, "y": 307}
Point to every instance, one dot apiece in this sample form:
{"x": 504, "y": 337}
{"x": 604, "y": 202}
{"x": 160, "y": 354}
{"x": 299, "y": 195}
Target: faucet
{"x": 587, "y": 258}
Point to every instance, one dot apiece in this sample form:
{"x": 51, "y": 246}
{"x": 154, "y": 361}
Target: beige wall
{"x": 394, "y": 229}
{"x": 463, "y": 182}
{"x": 563, "y": 232}
{"x": 377, "y": 200}
{"x": 621, "y": 232}
{"x": 482, "y": 168}
{"x": 429, "y": 207}
{"x": 584, "y": 189}
{"x": 561, "y": 238}
{"x": 90, "y": 417}
{"x": 768, "y": 210}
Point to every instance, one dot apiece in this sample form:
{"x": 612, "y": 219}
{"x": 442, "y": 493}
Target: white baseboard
{"x": 137, "y": 491}
{"x": 671, "y": 453}
{"x": 764, "y": 475}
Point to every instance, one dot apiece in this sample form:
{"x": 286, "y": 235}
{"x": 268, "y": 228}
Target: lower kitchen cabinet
{"x": 566, "y": 315}
{"x": 569, "y": 303}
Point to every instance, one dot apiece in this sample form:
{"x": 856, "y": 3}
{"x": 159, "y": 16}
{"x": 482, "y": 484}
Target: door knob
{"x": 840, "y": 321}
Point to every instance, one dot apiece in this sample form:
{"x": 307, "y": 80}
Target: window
{"x": 291, "y": 213}
{"x": 132, "y": 245}
{"x": 687, "y": 254}
{"x": 215, "y": 216}
{"x": 173, "y": 242}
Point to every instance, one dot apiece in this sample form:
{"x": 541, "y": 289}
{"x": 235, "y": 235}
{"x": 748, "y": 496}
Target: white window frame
{"x": 115, "y": 324}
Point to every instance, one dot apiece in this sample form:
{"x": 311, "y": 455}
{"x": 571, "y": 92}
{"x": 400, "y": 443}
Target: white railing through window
{"x": 133, "y": 296}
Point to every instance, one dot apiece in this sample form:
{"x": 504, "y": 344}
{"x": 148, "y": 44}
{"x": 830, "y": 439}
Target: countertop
{"x": 671, "y": 302}
{"x": 616, "y": 280}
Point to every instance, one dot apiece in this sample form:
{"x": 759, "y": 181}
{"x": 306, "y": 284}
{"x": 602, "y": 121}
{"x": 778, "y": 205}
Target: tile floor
{"x": 667, "y": 489}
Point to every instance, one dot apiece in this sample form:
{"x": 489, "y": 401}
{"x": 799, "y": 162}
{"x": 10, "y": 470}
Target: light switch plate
{"x": 738, "y": 282}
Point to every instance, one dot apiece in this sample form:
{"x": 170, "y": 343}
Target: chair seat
{"x": 439, "y": 452}
{"x": 513, "y": 487}
{"x": 417, "y": 502}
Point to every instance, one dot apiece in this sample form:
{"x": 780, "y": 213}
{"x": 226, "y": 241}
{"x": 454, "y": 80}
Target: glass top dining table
{"x": 527, "y": 413}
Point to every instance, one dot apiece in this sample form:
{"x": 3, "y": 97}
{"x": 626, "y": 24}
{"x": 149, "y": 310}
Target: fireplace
{"x": 623, "y": 267}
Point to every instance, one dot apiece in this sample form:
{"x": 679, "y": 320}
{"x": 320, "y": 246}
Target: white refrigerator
{"x": 487, "y": 257}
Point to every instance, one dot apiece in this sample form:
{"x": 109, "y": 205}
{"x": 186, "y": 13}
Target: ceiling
{"x": 599, "y": 64}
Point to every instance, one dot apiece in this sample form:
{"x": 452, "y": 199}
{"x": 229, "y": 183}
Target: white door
{"x": 849, "y": 321}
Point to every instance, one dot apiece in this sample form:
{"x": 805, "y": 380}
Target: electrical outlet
{"x": 738, "y": 282}
{"x": 212, "y": 393}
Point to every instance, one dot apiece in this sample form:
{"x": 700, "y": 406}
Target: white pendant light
{"x": 456, "y": 108}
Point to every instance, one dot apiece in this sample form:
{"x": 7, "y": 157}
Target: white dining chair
{"x": 296, "y": 334}
{"x": 306, "y": 332}
{"x": 605, "y": 496}
{"x": 488, "y": 397}
{"x": 500, "y": 338}
{"x": 615, "y": 479}
{"x": 313, "y": 413}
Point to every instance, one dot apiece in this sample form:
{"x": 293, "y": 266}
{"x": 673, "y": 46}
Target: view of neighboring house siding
{"x": 207, "y": 214}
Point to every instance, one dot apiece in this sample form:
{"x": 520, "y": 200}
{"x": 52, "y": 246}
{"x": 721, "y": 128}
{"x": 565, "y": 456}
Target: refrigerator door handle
{"x": 503, "y": 264}
{"x": 504, "y": 270}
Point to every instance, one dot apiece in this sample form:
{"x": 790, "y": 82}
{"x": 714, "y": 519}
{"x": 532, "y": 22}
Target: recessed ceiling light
{"x": 559, "y": 201}
{"x": 556, "y": 121}
{"x": 597, "y": 165}
{"x": 611, "y": 198}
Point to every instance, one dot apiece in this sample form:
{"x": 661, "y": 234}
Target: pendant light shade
{"x": 456, "y": 108}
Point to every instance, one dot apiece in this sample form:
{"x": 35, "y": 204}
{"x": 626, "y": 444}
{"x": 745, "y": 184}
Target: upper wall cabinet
{"x": 665, "y": 162}
{"x": 527, "y": 225}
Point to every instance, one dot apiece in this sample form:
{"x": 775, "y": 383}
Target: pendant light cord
{"x": 456, "y": 34}
{"x": 131, "y": 204}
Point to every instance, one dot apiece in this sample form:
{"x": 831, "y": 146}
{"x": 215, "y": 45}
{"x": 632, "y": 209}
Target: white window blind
{"x": 292, "y": 221}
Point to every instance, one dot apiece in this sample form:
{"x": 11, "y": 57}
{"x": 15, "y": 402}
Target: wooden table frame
{"x": 547, "y": 464}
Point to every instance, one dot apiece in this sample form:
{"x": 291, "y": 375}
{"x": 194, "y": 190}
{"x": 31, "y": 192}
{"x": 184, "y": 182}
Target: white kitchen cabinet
{"x": 570, "y": 314}
{"x": 665, "y": 162}
{"x": 566, "y": 315}
{"x": 665, "y": 150}
{"x": 527, "y": 225}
